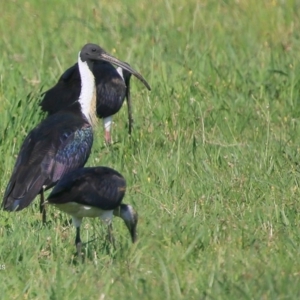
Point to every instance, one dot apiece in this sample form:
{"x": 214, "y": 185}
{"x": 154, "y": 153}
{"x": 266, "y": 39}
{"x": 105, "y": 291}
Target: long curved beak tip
{"x": 113, "y": 60}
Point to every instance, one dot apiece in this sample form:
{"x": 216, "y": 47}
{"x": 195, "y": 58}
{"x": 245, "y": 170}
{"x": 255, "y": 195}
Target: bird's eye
{"x": 94, "y": 49}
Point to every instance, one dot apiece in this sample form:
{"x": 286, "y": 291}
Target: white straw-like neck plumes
{"x": 87, "y": 97}
{"x": 120, "y": 71}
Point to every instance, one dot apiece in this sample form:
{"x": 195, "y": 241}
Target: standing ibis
{"x": 112, "y": 86}
{"x": 94, "y": 192}
{"x": 62, "y": 142}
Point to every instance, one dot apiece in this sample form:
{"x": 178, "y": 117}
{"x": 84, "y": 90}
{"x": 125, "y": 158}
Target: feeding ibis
{"x": 94, "y": 192}
{"x": 112, "y": 86}
{"x": 60, "y": 143}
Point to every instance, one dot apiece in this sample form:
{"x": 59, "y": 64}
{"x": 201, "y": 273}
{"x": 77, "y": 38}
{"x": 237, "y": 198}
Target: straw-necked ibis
{"x": 112, "y": 86}
{"x": 60, "y": 143}
{"x": 94, "y": 192}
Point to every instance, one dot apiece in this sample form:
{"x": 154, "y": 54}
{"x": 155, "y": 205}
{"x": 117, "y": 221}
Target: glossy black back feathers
{"x": 100, "y": 187}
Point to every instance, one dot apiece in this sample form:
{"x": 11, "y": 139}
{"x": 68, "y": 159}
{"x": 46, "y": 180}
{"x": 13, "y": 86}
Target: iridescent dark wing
{"x": 61, "y": 143}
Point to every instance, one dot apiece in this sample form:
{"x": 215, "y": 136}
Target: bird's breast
{"x": 81, "y": 211}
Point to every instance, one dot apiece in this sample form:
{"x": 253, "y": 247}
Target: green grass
{"x": 212, "y": 166}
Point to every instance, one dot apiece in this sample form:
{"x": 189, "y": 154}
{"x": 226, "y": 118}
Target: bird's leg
{"x": 42, "y": 206}
{"x": 110, "y": 235}
{"x": 77, "y": 223}
{"x": 107, "y": 137}
{"x": 78, "y": 242}
{"x": 129, "y": 107}
{"x": 107, "y": 126}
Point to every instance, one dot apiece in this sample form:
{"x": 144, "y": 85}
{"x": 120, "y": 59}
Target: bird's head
{"x": 93, "y": 52}
{"x": 130, "y": 218}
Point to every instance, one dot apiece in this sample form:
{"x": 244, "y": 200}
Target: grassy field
{"x": 212, "y": 166}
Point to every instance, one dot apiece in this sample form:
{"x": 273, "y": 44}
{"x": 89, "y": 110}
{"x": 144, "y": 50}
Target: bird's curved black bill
{"x": 111, "y": 59}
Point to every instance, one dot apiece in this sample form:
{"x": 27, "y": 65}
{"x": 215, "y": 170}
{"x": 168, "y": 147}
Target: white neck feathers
{"x": 87, "y": 97}
{"x": 120, "y": 71}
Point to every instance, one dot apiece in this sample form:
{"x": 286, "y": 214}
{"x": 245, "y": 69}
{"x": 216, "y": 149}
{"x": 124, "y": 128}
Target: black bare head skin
{"x": 91, "y": 52}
